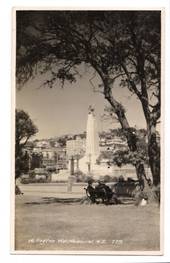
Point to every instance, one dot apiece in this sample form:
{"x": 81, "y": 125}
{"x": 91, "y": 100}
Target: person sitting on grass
{"x": 104, "y": 189}
{"x": 91, "y": 190}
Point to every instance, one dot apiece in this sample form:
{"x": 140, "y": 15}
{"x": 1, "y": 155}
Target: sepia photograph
{"x": 87, "y": 94}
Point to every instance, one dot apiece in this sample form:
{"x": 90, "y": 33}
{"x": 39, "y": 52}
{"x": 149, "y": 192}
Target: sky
{"x": 60, "y": 111}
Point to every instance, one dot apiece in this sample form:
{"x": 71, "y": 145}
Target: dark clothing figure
{"x": 104, "y": 190}
{"x": 91, "y": 191}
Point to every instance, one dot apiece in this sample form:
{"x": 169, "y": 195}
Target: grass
{"x": 42, "y": 225}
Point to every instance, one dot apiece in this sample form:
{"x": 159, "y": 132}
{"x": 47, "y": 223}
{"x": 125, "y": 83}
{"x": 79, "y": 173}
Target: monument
{"x": 87, "y": 164}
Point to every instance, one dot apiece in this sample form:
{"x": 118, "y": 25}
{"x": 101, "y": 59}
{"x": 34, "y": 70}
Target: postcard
{"x": 88, "y": 164}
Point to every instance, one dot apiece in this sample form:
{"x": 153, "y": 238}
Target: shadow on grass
{"x": 52, "y": 200}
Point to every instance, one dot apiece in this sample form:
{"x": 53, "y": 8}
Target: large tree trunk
{"x": 140, "y": 171}
{"x": 130, "y": 136}
{"x": 154, "y": 153}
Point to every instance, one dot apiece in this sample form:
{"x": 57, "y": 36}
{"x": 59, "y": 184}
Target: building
{"x": 75, "y": 147}
{"x": 42, "y": 144}
{"x": 55, "y": 157}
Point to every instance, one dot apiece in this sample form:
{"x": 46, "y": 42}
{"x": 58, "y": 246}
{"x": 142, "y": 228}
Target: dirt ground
{"x": 43, "y": 223}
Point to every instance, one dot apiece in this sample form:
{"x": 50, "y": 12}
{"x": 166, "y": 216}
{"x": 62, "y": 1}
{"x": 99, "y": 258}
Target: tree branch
{"x": 131, "y": 82}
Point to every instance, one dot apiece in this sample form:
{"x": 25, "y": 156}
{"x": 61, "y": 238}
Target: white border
{"x": 79, "y": 252}
{"x": 5, "y": 50}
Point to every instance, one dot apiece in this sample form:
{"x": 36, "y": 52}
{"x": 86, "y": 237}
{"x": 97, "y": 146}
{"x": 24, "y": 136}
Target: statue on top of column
{"x": 91, "y": 109}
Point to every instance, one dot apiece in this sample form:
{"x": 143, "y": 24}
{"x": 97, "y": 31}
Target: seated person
{"x": 91, "y": 190}
{"x": 101, "y": 187}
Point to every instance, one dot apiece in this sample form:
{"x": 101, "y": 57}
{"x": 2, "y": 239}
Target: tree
{"x": 36, "y": 160}
{"x": 22, "y": 163}
{"x": 124, "y": 156}
{"x": 122, "y": 47}
{"x": 24, "y": 130}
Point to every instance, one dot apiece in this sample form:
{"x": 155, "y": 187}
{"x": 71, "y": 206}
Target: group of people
{"x": 101, "y": 190}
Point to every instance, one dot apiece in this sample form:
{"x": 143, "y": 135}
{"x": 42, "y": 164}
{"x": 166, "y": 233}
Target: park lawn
{"x": 41, "y": 225}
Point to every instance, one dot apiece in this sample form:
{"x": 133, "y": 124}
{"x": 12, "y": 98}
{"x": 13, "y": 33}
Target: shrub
{"x": 114, "y": 179}
{"x": 126, "y": 187}
{"x": 121, "y": 178}
{"x": 107, "y": 178}
{"x": 80, "y": 176}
